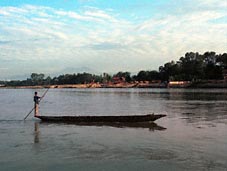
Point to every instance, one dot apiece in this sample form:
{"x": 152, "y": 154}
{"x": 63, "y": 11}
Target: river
{"x": 193, "y": 136}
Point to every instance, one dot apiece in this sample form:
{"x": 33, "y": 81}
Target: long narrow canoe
{"x": 90, "y": 119}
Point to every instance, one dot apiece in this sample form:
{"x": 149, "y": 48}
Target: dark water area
{"x": 193, "y": 136}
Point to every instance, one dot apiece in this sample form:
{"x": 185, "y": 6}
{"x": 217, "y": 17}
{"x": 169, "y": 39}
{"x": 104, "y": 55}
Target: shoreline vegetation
{"x": 208, "y": 84}
{"x": 194, "y": 70}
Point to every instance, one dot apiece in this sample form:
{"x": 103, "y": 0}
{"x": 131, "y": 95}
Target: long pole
{"x": 40, "y": 100}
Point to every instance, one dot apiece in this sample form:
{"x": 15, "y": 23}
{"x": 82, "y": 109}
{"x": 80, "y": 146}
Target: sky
{"x": 96, "y": 36}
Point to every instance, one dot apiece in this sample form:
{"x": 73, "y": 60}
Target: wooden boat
{"x": 95, "y": 119}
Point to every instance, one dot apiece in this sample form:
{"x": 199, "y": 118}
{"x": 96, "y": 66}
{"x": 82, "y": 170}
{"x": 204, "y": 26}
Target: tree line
{"x": 191, "y": 67}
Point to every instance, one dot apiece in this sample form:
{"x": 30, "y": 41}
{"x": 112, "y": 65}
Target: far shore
{"x": 124, "y": 85}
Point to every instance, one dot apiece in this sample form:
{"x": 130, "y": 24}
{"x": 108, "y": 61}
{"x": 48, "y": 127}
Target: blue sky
{"x": 54, "y": 37}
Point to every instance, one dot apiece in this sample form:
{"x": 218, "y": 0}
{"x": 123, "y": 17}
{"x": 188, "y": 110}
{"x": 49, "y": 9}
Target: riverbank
{"x": 126, "y": 85}
{"x": 92, "y": 85}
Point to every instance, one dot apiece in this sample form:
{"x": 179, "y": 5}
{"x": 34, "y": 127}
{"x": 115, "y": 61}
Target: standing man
{"x": 36, "y": 101}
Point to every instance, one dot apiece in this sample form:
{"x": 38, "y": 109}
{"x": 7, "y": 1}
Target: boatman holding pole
{"x": 36, "y": 103}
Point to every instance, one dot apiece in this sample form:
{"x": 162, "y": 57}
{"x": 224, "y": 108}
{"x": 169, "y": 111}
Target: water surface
{"x": 193, "y": 136}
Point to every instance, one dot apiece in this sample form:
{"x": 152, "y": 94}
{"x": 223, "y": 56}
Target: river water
{"x": 193, "y": 136}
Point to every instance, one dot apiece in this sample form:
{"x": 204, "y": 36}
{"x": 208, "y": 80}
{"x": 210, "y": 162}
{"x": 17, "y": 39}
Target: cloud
{"x": 4, "y": 69}
{"x": 75, "y": 15}
{"x": 101, "y": 15}
{"x": 54, "y": 39}
{"x": 4, "y": 42}
{"x": 105, "y": 46}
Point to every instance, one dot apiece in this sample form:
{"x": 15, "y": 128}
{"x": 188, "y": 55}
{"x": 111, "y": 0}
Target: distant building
{"x": 179, "y": 84}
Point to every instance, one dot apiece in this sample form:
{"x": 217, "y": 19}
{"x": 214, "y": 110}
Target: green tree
{"x": 37, "y": 79}
{"x": 222, "y": 60}
{"x": 106, "y": 77}
{"x": 126, "y": 75}
{"x": 142, "y": 76}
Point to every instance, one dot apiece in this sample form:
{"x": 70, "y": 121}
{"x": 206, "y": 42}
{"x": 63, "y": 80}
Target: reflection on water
{"x": 199, "y": 111}
{"x": 195, "y": 137}
{"x": 36, "y": 132}
{"x": 151, "y": 126}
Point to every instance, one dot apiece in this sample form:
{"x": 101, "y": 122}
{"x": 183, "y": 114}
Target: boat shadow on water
{"x": 151, "y": 126}
{"x": 144, "y": 125}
